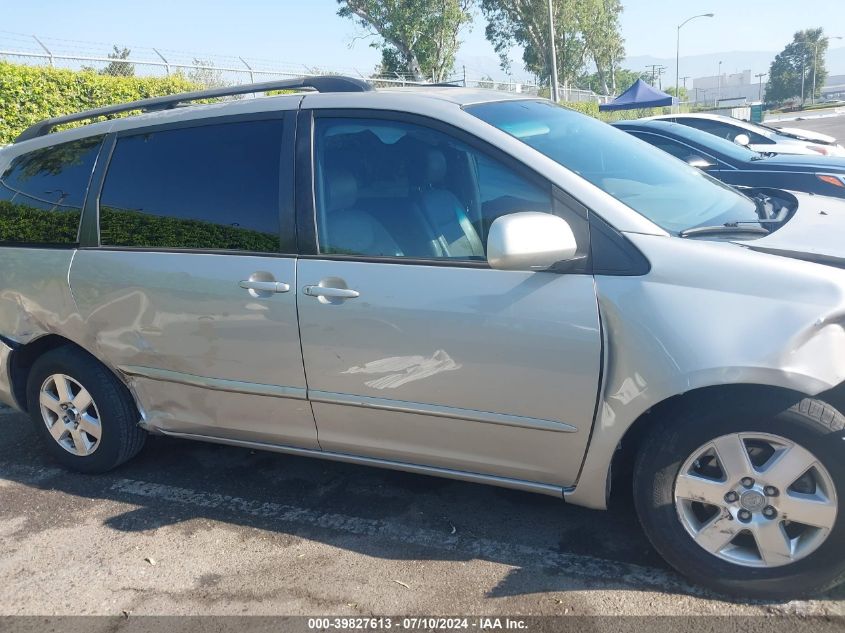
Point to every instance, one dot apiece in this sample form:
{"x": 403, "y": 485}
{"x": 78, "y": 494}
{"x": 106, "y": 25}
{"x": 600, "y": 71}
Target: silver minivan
{"x": 445, "y": 281}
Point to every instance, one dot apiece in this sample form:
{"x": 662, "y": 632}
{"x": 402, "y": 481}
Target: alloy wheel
{"x": 756, "y": 499}
{"x": 70, "y": 414}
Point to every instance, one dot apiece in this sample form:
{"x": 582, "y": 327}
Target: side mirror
{"x": 742, "y": 139}
{"x": 529, "y": 241}
{"x": 699, "y": 162}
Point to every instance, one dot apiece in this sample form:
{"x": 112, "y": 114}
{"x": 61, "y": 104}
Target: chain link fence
{"x": 216, "y": 70}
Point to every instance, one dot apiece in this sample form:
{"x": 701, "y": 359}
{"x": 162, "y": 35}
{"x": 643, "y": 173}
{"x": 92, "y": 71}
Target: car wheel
{"x": 82, "y": 412}
{"x": 747, "y": 503}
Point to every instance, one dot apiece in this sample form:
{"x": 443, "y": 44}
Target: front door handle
{"x": 264, "y": 286}
{"x": 330, "y": 293}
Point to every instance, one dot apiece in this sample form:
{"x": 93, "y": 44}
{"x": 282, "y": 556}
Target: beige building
{"x": 728, "y": 86}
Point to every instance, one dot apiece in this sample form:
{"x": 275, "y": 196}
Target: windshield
{"x": 705, "y": 140}
{"x": 664, "y": 189}
{"x": 748, "y": 126}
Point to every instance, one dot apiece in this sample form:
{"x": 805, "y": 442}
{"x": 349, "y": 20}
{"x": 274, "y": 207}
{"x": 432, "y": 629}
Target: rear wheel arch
{"x": 23, "y": 357}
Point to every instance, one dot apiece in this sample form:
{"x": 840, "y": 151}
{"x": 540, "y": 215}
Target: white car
{"x": 760, "y": 138}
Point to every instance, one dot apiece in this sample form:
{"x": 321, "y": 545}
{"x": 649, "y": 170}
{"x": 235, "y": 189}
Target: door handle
{"x": 264, "y": 286}
{"x": 330, "y": 293}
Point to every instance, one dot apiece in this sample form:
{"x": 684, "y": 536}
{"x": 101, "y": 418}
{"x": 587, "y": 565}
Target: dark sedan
{"x": 737, "y": 165}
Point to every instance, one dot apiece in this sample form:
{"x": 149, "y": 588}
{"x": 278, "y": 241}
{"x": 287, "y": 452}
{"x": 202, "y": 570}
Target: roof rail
{"x": 325, "y": 83}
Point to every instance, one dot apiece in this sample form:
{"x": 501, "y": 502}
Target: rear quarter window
{"x": 42, "y": 193}
{"x": 208, "y": 187}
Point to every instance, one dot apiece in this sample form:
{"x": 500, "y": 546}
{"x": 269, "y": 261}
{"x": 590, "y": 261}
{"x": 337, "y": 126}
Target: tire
{"x": 112, "y": 414}
{"x": 812, "y": 562}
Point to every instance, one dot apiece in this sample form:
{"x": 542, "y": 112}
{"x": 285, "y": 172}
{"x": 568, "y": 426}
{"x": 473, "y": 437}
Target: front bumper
{"x": 6, "y": 392}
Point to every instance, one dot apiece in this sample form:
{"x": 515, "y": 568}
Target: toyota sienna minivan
{"x": 444, "y": 281}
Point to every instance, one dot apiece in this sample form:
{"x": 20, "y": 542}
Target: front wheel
{"x": 748, "y": 504}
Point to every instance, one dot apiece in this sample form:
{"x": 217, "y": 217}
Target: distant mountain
{"x": 732, "y": 62}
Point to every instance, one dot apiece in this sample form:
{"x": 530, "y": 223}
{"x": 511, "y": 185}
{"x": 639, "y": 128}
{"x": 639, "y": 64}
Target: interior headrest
{"x": 341, "y": 189}
{"x": 435, "y": 166}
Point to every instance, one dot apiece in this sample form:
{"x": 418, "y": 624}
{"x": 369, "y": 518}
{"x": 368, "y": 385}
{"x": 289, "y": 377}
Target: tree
{"x": 622, "y": 79}
{"x": 802, "y": 57}
{"x": 119, "y": 68}
{"x": 205, "y": 74}
{"x": 604, "y": 42}
{"x": 584, "y": 30}
{"x": 683, "y": 93}
{"x": 418, "y": 38}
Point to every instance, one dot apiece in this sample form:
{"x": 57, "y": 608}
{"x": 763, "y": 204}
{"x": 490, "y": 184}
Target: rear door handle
{"x": 264, "y": 286}
{"x": 330, "y": 293}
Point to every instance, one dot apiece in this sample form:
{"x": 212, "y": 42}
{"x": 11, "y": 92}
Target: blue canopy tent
{"x": 639, "y": 95}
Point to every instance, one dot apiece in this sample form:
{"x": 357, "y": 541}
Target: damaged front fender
{"x": 709, "y": 314}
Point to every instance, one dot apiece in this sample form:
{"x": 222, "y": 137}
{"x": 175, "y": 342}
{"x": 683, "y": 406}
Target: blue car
{"x": 740, "y": 166}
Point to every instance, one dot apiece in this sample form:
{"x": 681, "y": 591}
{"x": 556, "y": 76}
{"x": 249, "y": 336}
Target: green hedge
{"x": 132, "y": 228}
{"x": 24, "y": 223}
{"x": 590, "y": 108}
{"x": 29, "y": 94}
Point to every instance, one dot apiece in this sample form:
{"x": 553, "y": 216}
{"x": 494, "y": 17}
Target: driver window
{"x": 394, "y": 189}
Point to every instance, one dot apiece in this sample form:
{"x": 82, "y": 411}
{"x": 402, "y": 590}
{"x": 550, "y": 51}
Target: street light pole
{"x": 678, "y": 52}
{"x": 554, "y": 86}
{"x": 719, "y": 84}
{"x": 803, "y": 73}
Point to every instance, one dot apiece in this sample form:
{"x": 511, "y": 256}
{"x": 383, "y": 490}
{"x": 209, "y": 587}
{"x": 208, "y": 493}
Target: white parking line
{"x": 468, "y": 547}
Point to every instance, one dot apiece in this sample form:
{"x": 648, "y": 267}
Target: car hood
{"x": 817, "y": 163}
{"x": 807, "y": 135}
{"x": 813, "y": 234}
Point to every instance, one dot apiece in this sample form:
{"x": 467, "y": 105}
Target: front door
{"x": 415, "y": 350}
{"x": 189, "y": 293}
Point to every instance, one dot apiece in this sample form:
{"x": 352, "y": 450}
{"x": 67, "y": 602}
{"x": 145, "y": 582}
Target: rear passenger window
{"x": 212, "y": 187}
{"x": 42, "y": 192}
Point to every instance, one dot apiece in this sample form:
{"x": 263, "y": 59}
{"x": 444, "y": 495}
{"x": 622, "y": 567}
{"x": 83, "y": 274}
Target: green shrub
{"x": 23, "y": 223}
{"x": 132, "y": 228}
{"x": 590, "y": 108}
{"x": 29, "y": 94}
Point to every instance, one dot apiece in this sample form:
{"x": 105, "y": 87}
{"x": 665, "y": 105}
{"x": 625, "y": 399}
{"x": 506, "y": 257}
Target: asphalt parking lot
{"x": 823, "y": 123}
{"x": 190, "y": 528}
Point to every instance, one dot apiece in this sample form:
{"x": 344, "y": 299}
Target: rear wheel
{"x": 747, "y": 503}
{"x": 82, "y": 413}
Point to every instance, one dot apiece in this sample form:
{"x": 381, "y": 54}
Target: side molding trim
{"x": 218, "y": 384}
{"x": 439, "y": 411}
{"x": 365, "y": 402}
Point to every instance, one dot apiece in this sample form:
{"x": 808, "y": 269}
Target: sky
{"x": 309, "y": 31}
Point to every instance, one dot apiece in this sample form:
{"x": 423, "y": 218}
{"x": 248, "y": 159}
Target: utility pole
{"x": 760, "y": 77}
{"x": 554, "y": 85}
{"x": 656, "y": 70}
